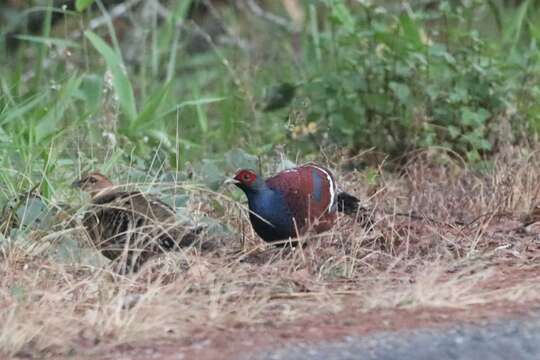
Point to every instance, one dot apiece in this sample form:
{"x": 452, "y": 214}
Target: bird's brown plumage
{"x": 130, "y": 226}
{"x": 532, "y": 217}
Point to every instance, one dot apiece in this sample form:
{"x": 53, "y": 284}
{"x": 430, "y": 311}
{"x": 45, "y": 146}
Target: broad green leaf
{"x": 454, "y": 132}
{"x": 211, "y": 173}
{"x": 239, "y": 159}
{"x": 473, "y": 156}
{"x": 411, "y": 30}
{"x": 474, "y": 117}
{"x": 342, "y": 14}
{"x": 81, "y": 5}
{"x": 214, "y": 228}
{"x": 33, "y": 212}
{"x": 401, "y": 91}
{"x": 121, "y": 82}
{"x": 459, "y": 94}
{"x": 90, "y": 91}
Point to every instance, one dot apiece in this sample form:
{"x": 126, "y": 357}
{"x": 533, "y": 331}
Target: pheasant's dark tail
{"x": 347, "y": 203}
{"x": 350, "y": 205}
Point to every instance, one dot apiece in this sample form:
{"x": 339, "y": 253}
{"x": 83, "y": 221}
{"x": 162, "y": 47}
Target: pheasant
{"x": 130, "y": 226}
{"x": 293, "y": 201}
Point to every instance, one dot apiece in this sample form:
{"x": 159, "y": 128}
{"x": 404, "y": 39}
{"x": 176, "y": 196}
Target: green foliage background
{"x": 390, "y": 76}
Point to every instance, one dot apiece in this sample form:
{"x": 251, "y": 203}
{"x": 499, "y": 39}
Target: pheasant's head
{"x": 247, "y": 180}
{"x": 93, "y": 183}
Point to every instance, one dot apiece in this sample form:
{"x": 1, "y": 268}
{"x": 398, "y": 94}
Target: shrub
{"x": 397, "y": 82}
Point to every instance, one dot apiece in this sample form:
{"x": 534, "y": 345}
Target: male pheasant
{"x": 290, "y": 203}
{"x": 130, "y": 226}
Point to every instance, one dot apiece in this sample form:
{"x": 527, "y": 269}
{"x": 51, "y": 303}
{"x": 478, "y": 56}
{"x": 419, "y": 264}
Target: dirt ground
{"x": 228, "y": 343}
{"x": 468, "y": 256}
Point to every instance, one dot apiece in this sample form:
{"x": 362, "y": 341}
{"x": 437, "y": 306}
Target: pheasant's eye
{"x": 246, "y": 177}
{"x": 93, "y": 180}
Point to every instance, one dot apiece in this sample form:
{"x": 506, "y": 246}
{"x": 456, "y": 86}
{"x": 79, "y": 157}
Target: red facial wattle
{"x": 246, "y": 177}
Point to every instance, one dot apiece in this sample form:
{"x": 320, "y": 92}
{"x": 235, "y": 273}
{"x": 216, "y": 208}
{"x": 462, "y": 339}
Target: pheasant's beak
{"x": 231, "y": 181}
{"x": 76, "y": 183}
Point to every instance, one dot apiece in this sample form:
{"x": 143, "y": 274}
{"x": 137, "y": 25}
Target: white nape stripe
{"x": 330, "y": 182}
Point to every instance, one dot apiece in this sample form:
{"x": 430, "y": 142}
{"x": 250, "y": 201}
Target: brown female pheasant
{"x": 130, "y": 227}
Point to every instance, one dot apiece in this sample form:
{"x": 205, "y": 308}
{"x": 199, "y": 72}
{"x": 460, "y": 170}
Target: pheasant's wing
{"x": 290, "y": 186}
{"x": 108, "y": 226}
{"x": 309, "y": 191}
{"x": 140, "y": 204}
{"x": 120, "y": 218}
{"x": 324, "y": 188}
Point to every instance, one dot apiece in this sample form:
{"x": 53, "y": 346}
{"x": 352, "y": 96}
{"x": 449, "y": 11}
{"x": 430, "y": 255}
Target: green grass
{"x": 440, "y": 84}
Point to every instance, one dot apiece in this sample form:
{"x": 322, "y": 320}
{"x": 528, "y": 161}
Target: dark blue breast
{"x": 271, "y": 206}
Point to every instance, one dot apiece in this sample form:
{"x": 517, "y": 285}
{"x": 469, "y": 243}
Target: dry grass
{"x": 53, "y": 308}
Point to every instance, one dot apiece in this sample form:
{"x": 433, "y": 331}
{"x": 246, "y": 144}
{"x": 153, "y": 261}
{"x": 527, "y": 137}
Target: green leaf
{"x": 474, "y": 118}
{"x": 211, "y": 174}
{"x": 161, "y": 137}
{"x": 202, "y": 101}
{"x": 454, "y": 132}
{"x": 201, "y": 113}
{"x": 239, "y": 159}
{"x": 48, "y": 41}
{"x": 19, "y": 110}
{"x": 459, "y": 94}
{"x": 90, "y": 91}
{"x": 49, "y": 123}
{"x": 401, "y": 91}
{"x": 214, "y": 228}
{"x": 81, "y": 5}
{"x": 121, "y": 83}
{"x": 33, "y": 212}
{"x": 440, "y": 50}
{"x": 372, "y": 176}
{"x": 148, "y": 115}
{"x": 342, "y": 15}
{"x": 473, "y": 156}
{"x": 411, "y": 30}
{"x": 517, "y": 24}
{"x": 181, "y": 10}
{"x": 492, "y": 4}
